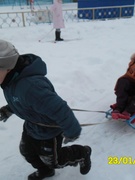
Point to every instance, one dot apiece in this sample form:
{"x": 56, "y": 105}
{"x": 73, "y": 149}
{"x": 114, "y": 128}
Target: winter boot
{"x": 57, "y": 36}
{"x": 85, "y": 164}
{"x": 41, "y": 174}
{"x": 74, "y": 155}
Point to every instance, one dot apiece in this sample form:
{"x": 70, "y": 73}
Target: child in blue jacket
{"x": 48, "y": 120}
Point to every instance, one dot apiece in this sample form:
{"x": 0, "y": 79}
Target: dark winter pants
{"x": 46, "y": 154}
{"x": 131, "y": 105}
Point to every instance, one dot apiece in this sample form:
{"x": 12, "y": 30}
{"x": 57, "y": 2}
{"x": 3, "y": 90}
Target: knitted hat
{"x": 130, "y": 73}
{"x": 8, "y": 55}
{"x": 133, "y": 57}
{"x": 131, "y": 67}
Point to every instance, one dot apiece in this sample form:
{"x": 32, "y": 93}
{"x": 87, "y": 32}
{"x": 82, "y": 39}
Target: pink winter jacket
{"x": 56, "y": 9}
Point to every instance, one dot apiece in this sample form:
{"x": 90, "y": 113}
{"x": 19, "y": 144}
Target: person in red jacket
{"x": 125, "y": 93}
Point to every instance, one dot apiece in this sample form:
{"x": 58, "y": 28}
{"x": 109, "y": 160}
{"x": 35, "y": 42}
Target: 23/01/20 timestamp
{"x": 114, "y": 160}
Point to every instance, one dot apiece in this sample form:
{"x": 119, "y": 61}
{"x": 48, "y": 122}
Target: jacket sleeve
{"x": 45, "y": 101}
{"x": 121, "y": 92}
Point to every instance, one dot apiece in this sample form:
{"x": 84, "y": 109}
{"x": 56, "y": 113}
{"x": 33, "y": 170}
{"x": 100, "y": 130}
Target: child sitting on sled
{"x": 125, "y": 94}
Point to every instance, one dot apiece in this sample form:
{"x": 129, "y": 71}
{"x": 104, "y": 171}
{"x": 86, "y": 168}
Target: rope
{"x": 83, "y": 125}
{"x": 84, "y": 110}
{"x": 107, "y": 113}
{"x": 56, "y": 126}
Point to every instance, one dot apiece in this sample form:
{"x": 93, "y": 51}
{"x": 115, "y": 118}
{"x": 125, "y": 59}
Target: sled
{"x": 130, "y": 122}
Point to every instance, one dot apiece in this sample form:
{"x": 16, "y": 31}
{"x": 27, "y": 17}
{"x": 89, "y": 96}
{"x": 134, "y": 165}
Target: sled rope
{"x": 56, "y": 126}
{"x": 107, "y": 113}
{"x": 84, "y": 110}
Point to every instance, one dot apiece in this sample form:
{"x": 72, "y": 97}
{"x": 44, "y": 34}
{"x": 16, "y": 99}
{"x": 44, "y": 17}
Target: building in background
{"x": 26, "y": 2}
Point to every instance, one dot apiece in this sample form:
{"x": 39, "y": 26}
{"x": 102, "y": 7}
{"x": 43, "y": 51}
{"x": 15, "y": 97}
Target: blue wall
{"x": 103, "y": 3}
{"x": 105, "y": 13}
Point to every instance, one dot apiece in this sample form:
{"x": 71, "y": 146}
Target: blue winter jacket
{"x": 32, "y": 97}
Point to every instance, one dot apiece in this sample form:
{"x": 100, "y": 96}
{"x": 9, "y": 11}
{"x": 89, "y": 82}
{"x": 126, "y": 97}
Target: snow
{"x": 84, "y": 73}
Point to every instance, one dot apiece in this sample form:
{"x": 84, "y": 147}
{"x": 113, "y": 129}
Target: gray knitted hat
{"x": 8, "y": 55}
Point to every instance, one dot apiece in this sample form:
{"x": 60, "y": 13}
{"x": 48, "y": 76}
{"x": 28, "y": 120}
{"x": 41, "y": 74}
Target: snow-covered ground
{"x": 84, "y": 73}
